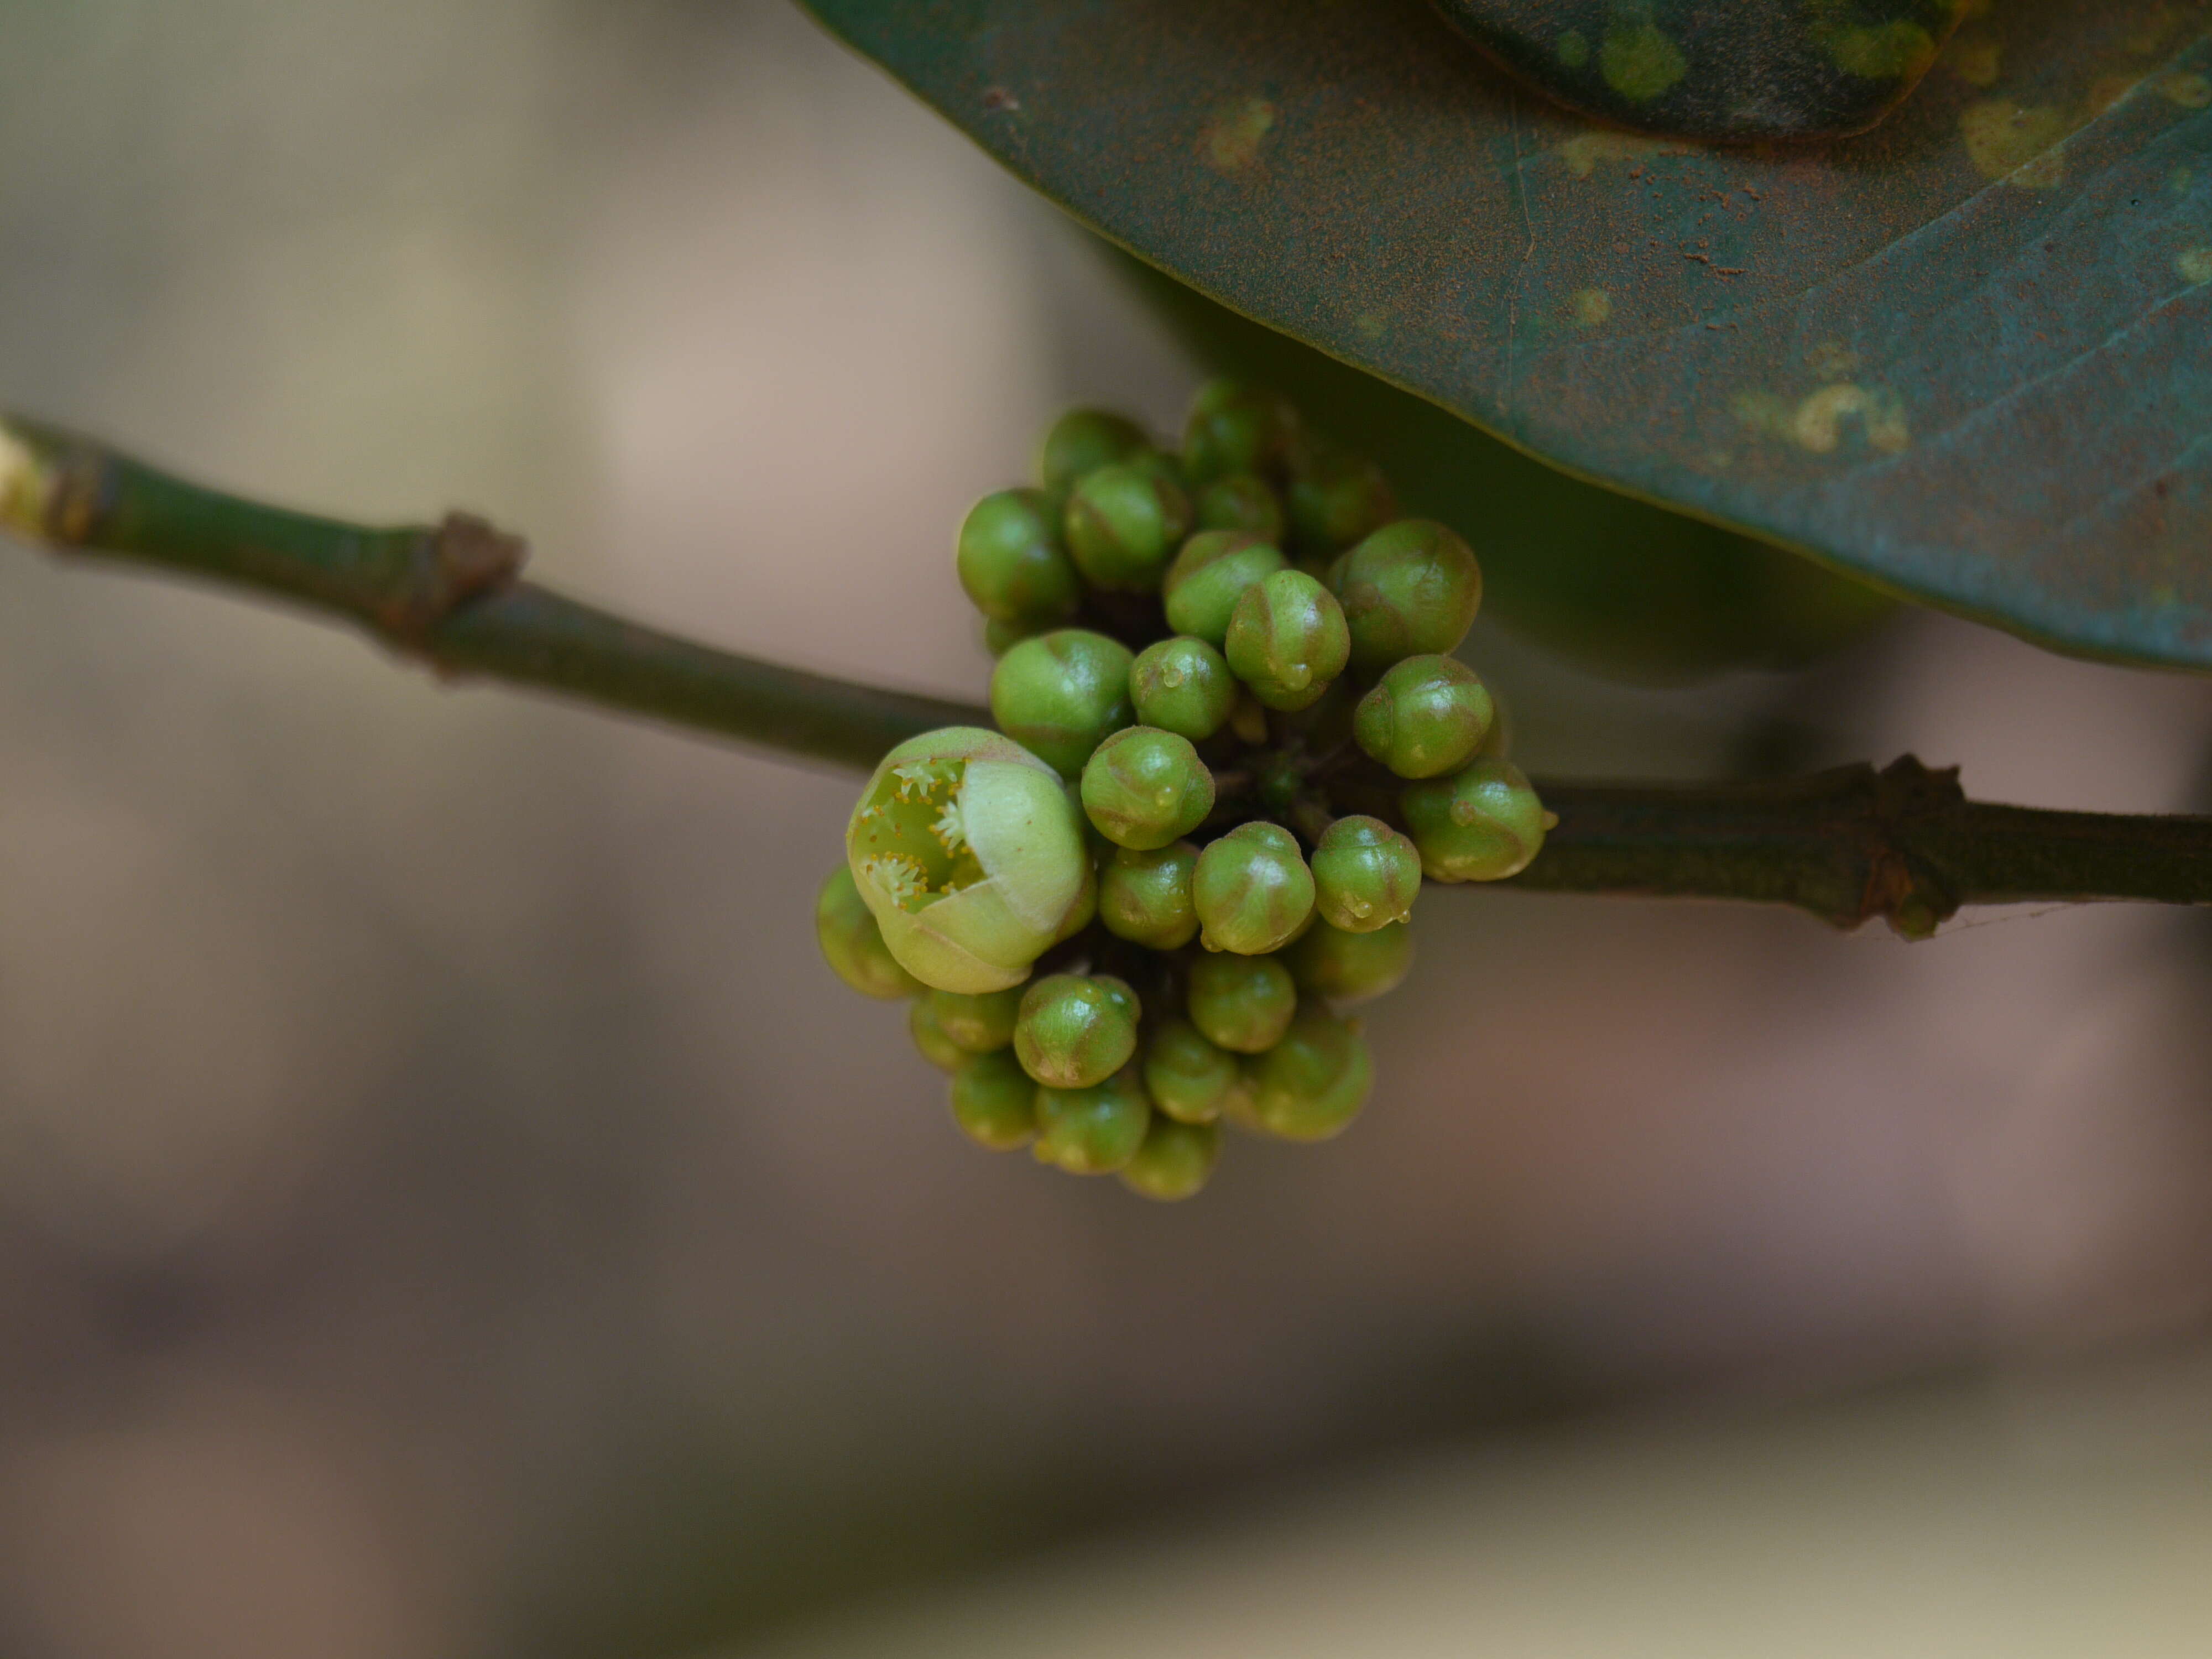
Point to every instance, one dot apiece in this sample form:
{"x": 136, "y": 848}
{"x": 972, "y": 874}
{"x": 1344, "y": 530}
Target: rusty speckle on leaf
{"x": 1230, "y": 141}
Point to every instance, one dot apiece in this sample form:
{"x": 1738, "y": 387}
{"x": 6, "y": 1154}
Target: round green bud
{"x": 1144, "y": 897}
{"x": 1074, "y": 1032}
{"x": 1241, "y": 501}
{"x": 1426, "y": 716}
{"x": 1093, "y": 1131}
{"x": 1366, "y": 875}
{"x": 1124, "y": 524}
{"x": 1182, "y": 685}
{"x": 1252, "y": 889}
{"x": 1347, "y": 967}
{"x": 1083, "y": 440}
{"x": 1189, "y": 1075}
{"x": 1287, "y": 640}
{"x": 1235, "y": 428}
{"x": 994, "y": 1102}
{"x": 1483, "y": 824}
{"x": 1062, "y": 693}
{"x": 1243, "y": 1004}
{"x": 1336, "y": 499}
{"x": 853, "y": 944}
{"x": 1121, "y": 994}
{"x": 938, "y": 1049}
{"x": 1313, "y": 1083}
{"x": 1010, "y": 560}
{"x": 1143, "y": 787}
{"x": 1175, "y": 1161}
{"x": 1409, "y": 590}
{"x": 970, "y": 854}
{"x": 979, "y": 1025}
{"x": 1210, "y": 575}
{"x": 998, "y": 637}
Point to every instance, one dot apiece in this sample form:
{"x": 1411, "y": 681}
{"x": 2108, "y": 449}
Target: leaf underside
{"x": 1968, "y": 355}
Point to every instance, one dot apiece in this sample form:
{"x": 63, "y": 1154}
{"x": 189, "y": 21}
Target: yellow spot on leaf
{"x": 1230, "y": 141}
{"x": 1592, "y": 306}
{"x": 1886, "y": 51}
{"x": 1640, "y": 62}
{"x": 2188, "y": 91}
{"x": 1817, "y": 424}
{"x": 1574, "y": 49}
{"x": 2195, "y": 265}
{"x": 2015, "y": 142}
{"x": 1583, "y": 153}
{"x": 1976, "y": 58}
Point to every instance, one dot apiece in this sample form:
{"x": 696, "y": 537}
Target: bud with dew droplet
{"x": 1287, "y": 640}
{"x": 1183, "y": 685}
{"x": 1144, "y": 788}
{"x": 1252, "y": 889}
{"x": 1366, "y": 875}
{"x": 1482, "y": 823}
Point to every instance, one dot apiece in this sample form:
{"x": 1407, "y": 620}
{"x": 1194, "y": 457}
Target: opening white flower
{"x": 969, "y": 852}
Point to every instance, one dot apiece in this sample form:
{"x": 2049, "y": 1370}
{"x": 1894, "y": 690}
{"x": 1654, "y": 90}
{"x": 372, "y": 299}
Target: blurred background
{"x": 446, "y": 1207}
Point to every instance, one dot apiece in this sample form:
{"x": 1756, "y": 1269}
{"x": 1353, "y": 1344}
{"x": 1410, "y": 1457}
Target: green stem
{"x": 448, "y": 595}
{"x": 1848, "y": 845}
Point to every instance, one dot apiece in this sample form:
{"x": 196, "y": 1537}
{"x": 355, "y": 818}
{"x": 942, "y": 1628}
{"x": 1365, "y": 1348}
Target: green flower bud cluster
{"x": 1135, "y": 913}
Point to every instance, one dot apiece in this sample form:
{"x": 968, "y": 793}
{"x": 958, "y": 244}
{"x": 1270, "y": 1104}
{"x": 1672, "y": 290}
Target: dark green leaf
{"x": 1968, "y": 354}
